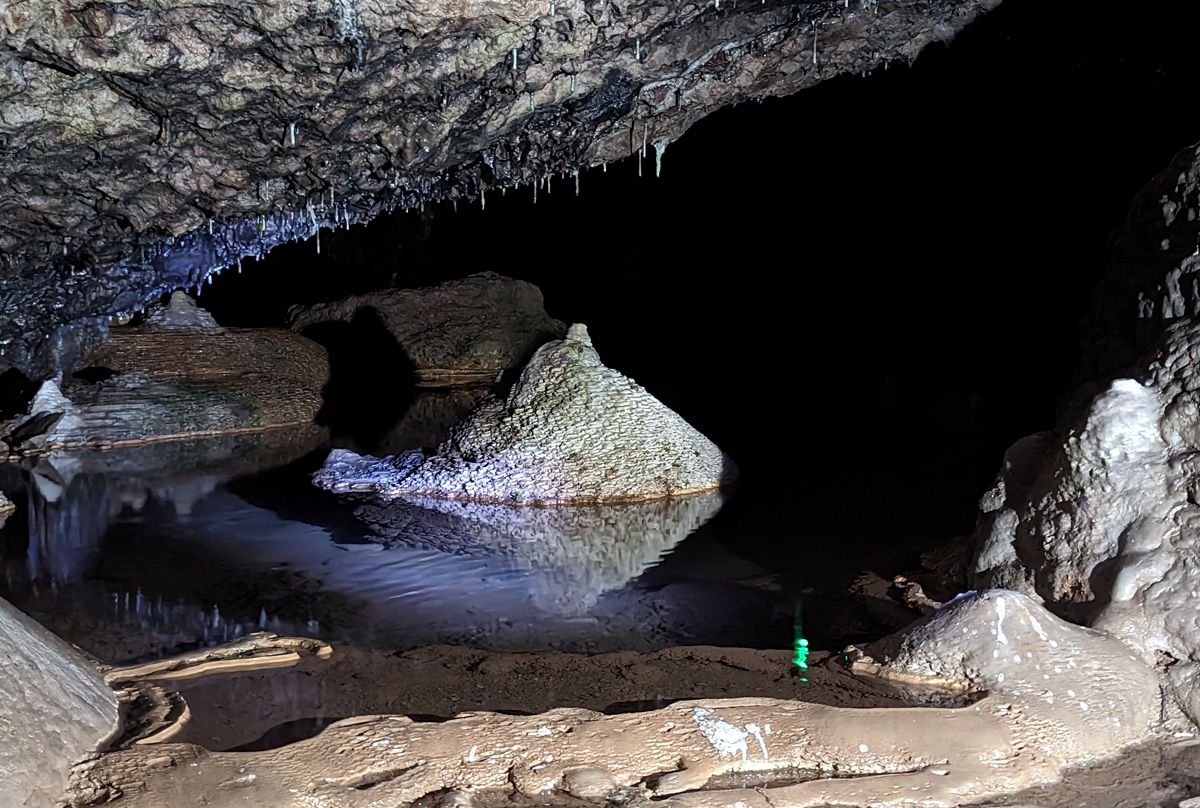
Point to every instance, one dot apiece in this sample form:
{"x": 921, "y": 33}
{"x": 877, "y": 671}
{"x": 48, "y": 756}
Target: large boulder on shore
{"x": 459, "y": 332}
{"x": 55, "y": 709}
{"x": 570, "y": 430}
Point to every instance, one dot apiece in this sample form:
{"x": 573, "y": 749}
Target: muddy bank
{"x": 438, "y": 682}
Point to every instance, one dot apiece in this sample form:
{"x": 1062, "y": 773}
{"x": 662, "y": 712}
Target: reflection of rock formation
{"x": 571, "y": 430}
{"x": 429, "y": 418}
{"x": 74, "y": 496}
{"x": 576, "y": 553}
{"x": 459, "y": 331}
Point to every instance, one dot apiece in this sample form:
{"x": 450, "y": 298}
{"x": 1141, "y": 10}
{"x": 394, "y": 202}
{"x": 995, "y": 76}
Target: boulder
{"x": 458, "y": 332}
{"x": 55, "y": 709}
{"x": 569, "y": 431}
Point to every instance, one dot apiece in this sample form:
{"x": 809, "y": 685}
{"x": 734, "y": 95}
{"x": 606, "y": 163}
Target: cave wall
{"x": 146, "y": 144}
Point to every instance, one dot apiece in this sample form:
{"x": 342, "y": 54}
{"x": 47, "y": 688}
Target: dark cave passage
{"x": 864, "y": 292}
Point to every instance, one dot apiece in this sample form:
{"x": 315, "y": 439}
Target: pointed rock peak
{"x": 49, "y": 398}
{"x": 579, "y": 333}
{"x": 180, "y": 311}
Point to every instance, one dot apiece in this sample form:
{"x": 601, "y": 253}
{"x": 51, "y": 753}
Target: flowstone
{"x": 570, "y": 431}
{"x": 1101, "y": 518}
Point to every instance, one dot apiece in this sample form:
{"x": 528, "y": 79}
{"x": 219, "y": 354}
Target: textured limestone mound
{"x": 458, "y": 332}
{"x": 1100, "y": 518}
{"x": 180, "y": 311}
{"x": 55, "y": 709}
{"x": 570, "y": 431}
{"x": 178, "y": 376}
{"x": 575, "y": 554}
{"x": 430, "y": 417}
{"x": 146, "y": 146}
{"x": 1054, "y": 695}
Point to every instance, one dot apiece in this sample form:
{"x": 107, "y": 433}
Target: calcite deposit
{"x": 570, "y": 430}
{"x": 179, "y": 311}
{"x": 1100, "y": 518}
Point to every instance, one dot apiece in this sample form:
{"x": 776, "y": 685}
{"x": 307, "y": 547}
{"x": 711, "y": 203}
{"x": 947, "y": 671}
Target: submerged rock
{"x": 570, "y": 430}
{"x": 55, "y": 709}
{"x": 458, "y": 332}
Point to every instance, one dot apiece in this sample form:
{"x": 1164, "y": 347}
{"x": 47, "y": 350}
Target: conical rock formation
{"x": 570, "y": 430}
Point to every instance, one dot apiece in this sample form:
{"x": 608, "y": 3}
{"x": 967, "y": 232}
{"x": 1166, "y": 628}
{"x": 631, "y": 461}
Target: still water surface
{"x": 146, "y": 551}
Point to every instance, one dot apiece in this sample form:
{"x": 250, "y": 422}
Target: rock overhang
{"x": 148, "y": 147}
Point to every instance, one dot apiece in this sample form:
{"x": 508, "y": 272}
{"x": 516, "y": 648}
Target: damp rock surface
{"x": 569, "y": 430}
{"x": 55, "y": 709}
{"x": 462, "y": 331}
{"x": 682, "y": 755}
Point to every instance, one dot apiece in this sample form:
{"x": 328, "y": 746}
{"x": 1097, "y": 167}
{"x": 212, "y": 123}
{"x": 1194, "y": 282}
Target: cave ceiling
{"x": 147, "y": 144}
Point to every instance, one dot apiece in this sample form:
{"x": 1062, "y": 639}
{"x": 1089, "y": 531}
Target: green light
{"x": 800, "y": 646}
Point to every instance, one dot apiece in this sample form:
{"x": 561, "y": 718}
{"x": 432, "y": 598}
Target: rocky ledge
{"x": 569, "y": 431}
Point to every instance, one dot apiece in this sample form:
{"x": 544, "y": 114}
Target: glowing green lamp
{"x": 800, "y": 646}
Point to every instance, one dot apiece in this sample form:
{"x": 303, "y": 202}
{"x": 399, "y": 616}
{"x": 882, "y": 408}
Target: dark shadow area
{"x": 93, "y": 374}
{"x": 16, "y": 391}
{"x": 286, "y": 733}
{"x": 370, "y": 380}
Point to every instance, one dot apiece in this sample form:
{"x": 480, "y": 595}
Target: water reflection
{"x": 145, "y": 552}
{"x": 572, "y": 555}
